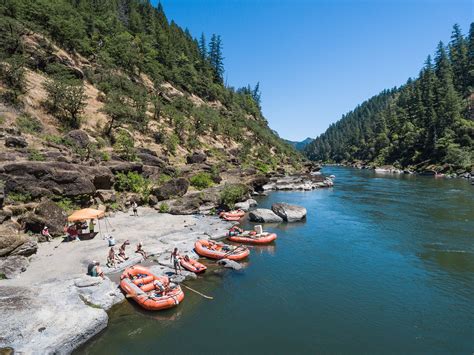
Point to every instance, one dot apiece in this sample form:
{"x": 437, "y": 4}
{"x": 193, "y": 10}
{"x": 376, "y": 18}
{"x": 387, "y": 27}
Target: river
{"x": 383, "y": 264}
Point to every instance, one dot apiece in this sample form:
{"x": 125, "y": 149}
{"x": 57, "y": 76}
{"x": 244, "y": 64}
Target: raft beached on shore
{"x": 232, "y": 215}
{"x": 192, "y": 265}
{"x": 218, "y": 251}
{"x": 150, "y": 291}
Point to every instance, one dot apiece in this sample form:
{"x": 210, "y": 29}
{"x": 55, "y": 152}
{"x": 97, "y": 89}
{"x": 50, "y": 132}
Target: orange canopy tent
{"x": 85, "y": 214}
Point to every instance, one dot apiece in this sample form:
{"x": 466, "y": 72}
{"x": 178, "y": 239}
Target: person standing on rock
{"x": 111, "y": 258}
{"x": 175, "y": 259}
{"x": 135, "y": 208}
{"x": 121, "y": 253}
{"x": 140, "y": 250}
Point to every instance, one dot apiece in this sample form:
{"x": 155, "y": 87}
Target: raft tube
{"x": 264, "y": 238}
{"x": 202, "y": 247}
{"x": 193, "y": 265}
{"x": 138, "y": 283}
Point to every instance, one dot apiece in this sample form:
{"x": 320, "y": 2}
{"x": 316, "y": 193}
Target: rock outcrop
{"x": 196, "y": 158}
{"x": 229, "y": 264}
{"x": 173, "y": 188}
{"x": 263, "y": 215}
{"x": 12, "y": 266}
{"x": 289, "y": 213}
{"x": 305, "y": 182}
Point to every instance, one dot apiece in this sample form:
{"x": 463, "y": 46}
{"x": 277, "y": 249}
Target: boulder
{"x": 244, "y": 206}
{"x": 289, "y": 213}
{"x": 183, "y": 205}
{"x": 53, "y": 178}
{"x": 52, "y": 216}
{"x": 263, "y": 215}
{"x": 173, "y": 188}
{"x": 98, "y": 292}
{"x": 78, "y": 137}
{"x": 252, "y": 202}
{"x": 10, "y": 241}
{"x": 258, "y": 183}
{"x": 15, "y": 142}
{"x": 196, "y": 158}
{"x": 13, "y": 265}
{"x": 5, "y": 215}
{"x": 124, "y": 167}
{"x": 106, "y": 196}
{"x": 229, "y": 264}
{"x": 28, "y": 248}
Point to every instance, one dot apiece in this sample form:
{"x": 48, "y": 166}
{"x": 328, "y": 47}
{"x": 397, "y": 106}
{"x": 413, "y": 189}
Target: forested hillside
{"x": 121, "y": 71}
{"x": 429, "y": 120}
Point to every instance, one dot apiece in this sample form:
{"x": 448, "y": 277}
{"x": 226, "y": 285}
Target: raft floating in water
{"x": 192, "y": 265}
{"x": 150, "y": 291}
{"x": 249, "y": 238}
{"x": 218, "y": 251}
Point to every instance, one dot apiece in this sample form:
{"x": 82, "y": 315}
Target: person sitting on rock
{"x": 140, "y": 250}
{"x": 72, "y": 232}
{"x": 96, "y": 270}
{"x": 121, "y": 253}
{"x": 45, "y": 233}
{"x": 111, "y": 240}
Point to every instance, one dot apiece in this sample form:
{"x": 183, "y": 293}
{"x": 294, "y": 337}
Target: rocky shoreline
{"x": 431, "y": 170}
{"x": 53, "y": 307}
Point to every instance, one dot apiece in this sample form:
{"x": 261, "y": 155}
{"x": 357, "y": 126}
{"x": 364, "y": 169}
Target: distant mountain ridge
{"x": 300, "y": 145}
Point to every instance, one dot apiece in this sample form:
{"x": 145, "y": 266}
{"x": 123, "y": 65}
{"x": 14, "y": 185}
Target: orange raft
{"x": 150, "y": 291}
{"x": 217, "y": 251}
{"x": 192, "y": 265}
{"x": 232, "y": 215}
{"x": 249, "y": 238}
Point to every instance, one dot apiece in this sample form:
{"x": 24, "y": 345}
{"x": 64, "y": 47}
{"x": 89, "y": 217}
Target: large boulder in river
{"x": 173, "y": 188}
{"x": 263, "y": 215}
{"x": 289, "y": 213}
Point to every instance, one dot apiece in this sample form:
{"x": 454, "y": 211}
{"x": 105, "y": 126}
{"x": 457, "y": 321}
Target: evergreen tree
{"x": 458, "y": 51}
{"x": 203, "y": 46}
{"x": 216, "y": 58}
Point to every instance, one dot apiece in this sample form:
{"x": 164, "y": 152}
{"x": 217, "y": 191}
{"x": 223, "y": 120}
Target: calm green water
{"x": 383, "y": 264}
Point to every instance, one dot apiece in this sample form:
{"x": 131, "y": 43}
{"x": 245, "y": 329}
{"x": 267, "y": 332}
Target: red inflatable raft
{"x": 150, "y": 291}
{"x": 253, "y": 238}
{"x": 232, "y": 215}
{"x": 192, "y": 265}
{"x": 218, "y": 251}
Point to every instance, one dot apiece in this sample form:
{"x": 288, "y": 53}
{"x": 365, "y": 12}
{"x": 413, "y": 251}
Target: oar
{"x": 232, "y": 251}
{"x": 199, "y": 293}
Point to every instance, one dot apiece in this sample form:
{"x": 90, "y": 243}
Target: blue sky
{"x": 316, "y": 60}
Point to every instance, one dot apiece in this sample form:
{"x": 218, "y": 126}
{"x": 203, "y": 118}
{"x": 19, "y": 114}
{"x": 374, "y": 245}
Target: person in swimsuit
{"x": 175, "y": 259}
{"x": 140, "y": 250}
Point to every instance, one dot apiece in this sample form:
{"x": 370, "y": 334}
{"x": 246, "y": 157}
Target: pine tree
{"x": 458, "y": 52}
{"x": 470, "y": 58}
{"x": 216, "y": 58}
{"x": 203, "y": 46}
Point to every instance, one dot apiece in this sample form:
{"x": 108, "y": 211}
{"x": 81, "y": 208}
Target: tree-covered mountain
{"x": 120, "y": 68}
{"x": 300, "y": 145}
{"x": 429, "y": 120}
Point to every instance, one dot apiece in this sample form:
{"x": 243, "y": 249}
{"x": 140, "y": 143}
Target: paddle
{"x": 232, "y": 251}
{"x": 199, "y": 293}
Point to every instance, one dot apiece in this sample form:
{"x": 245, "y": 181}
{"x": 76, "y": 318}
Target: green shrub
{"x": 262, "y": 167}
{"x": 2, "y": 119}
{"x": 171, "y": 143}
{"x": 201, "y": 181}
{"x": 67, "y": 204}
{"x": 18, "y": 197}
{"x": 163, "y": 179}
{"x": 233, "y": 193}
{"x": 133, "y": 182}
{"x": 125, "y": 146}
{"x": 164, "y": 208}
{"x": 105, "y": 156}
{"x": 28, "y": 124}
{"x": 35, "y": 155}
